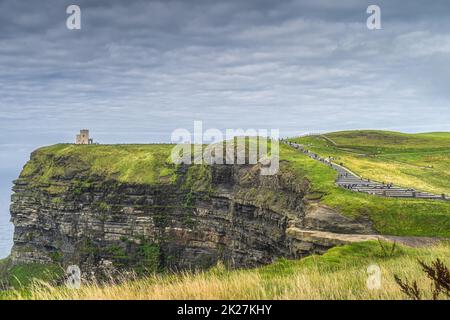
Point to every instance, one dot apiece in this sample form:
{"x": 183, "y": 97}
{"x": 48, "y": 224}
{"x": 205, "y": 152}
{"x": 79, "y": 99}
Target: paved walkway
{"x": 351, "y": 181}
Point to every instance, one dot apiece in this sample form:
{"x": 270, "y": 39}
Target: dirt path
{"x": 331, "y": 239}
{"x": 414, "y": 241}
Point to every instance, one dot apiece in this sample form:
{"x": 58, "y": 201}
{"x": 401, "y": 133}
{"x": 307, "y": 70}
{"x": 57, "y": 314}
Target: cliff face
{"x": 224, "y": 212}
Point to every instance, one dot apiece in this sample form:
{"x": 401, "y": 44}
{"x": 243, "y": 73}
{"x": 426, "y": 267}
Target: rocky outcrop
{"x": 227, "y": 212}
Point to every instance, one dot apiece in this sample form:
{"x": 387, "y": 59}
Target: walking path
{"x": 351, "y": 181}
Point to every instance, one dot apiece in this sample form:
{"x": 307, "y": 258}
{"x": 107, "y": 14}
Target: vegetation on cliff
{"x": 18, "y": 276}
{"x": 140, "y": 164}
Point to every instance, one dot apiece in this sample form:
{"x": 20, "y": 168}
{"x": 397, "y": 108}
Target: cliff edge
{"x": 128, "y": 206}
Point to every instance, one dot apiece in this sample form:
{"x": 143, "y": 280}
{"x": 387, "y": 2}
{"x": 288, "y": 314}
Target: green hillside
{"x": 394, "y": 216}
{"x": 420, "y": 161}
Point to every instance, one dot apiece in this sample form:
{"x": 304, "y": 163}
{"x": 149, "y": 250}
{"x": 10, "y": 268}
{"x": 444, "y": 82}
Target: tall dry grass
{"x": 305, "y": 282}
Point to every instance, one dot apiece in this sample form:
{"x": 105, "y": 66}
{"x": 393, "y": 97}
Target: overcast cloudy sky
{"x": 139, "y": 69}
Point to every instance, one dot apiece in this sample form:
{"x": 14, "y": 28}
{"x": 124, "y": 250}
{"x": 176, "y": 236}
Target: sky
{"x": 137, "y": 70}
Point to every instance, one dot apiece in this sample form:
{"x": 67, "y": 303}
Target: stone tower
{"x": 83, "y": 137}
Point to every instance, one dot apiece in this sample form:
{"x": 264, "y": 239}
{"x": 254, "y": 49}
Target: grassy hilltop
{"x": 146, "y": 164}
